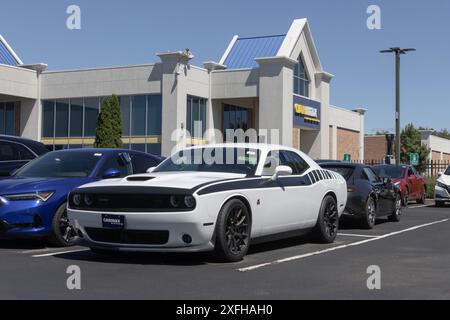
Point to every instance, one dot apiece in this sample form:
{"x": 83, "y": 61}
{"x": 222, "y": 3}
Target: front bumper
{"x": 25, "y": 219}
{"x": 441, "y": 194}
{"x": 149, "y": 232}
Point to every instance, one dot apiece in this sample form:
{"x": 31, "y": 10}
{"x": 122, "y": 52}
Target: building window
{"x": 7, "y": 118}
{"x": 301, "y": 78}
{"x": 196, "y": 116}
{"x": 91, "y": 111}
{"x": 77, "y": 118}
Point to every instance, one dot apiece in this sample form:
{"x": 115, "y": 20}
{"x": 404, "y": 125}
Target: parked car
{"x": 16, "y": 152}
{"x": 442, "y": 190}
{"x": 208, "y": 204}
{"x": 412, "y": 186}
{"x": 33, "y": 200}
{"x": 369, "y": 196}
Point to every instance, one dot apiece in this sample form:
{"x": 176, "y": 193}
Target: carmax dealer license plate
{"x": 110, "y": 221}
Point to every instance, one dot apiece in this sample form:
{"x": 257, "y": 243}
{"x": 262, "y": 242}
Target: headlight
{"x": 397, "y": 184}
{"x": 189, "y": 201}
{"x": 88, "y": 200}
{"x": 76, "y": 199}
{"x": 174, "y": 201}
{"x": 40, "y": 195}
{"x": 441, "y": 185}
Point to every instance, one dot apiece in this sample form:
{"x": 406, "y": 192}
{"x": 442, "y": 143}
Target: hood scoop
{"x": 139, "y": 179}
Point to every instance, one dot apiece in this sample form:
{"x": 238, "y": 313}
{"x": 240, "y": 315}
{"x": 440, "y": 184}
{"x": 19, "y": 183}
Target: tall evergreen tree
{"x": 412, "y": 143}
{"x": 109, "y": 124}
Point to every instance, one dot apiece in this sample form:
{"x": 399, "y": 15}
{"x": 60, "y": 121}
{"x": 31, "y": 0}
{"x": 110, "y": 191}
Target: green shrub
{"x": 431, "y": 183}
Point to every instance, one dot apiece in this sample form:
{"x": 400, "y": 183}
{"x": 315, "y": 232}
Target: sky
{"x": 115, "y": 33}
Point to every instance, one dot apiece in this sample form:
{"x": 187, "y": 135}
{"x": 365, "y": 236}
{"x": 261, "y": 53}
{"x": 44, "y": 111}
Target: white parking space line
{"x": 357, "y": 235}
{"x": 40, "y": 250}
{"x": 419, "y": 206}
{"x": 307, "y": 255}
{"x": 58, "y": 253}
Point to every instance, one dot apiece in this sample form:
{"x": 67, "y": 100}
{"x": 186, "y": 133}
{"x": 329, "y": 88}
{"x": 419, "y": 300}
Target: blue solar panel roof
{"x": 6, "y": 57}
{"x": 246, "y": 50}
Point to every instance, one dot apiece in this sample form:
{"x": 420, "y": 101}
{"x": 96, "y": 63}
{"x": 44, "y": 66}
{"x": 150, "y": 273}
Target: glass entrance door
{"x": 235, "y": 118}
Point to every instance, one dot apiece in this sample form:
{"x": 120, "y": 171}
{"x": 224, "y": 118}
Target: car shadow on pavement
{"x": 137, "y": 258}
{"x": 349, "y": 223}
{"x": 23, "y": 244}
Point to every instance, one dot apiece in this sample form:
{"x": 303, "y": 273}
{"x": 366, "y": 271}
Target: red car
{"x": 412, "y": 185}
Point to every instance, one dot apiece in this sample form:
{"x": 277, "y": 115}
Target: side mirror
{"x": 281, "y": 171}
{"x": 440, "y": 174}
{"x": 387, "y": 180}
{"x": 111, "y": 174}
{"x": 150, "y": 170}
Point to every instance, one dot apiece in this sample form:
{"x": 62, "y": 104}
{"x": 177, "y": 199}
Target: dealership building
{"x": 262, "y": 83}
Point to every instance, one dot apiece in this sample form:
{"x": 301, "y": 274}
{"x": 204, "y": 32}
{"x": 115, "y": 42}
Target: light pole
{"x": 398, "y": 52}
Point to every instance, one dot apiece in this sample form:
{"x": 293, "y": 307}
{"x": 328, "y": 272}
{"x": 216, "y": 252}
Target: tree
{"x": 444, "y": 133}
{"x": 109, "y": 124}
{"x": 412, "y": 143}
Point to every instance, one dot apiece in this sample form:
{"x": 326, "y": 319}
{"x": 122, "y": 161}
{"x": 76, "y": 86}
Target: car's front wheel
{"x": 440, "y": 204}
{"x": 395, "y": 216}
{"x": 405, "y": 199}
{"x": 233, "y": 231}
{"x": 328, "y": 221}
{"x": 63, "y": 233}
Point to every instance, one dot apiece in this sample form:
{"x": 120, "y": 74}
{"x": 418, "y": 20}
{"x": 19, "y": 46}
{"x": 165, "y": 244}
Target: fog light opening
{"x": 37, "y": 221}
{"x": 187, "y": 239}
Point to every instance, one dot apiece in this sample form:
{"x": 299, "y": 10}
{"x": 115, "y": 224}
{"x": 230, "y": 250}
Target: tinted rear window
{"x": 346, "y": 172}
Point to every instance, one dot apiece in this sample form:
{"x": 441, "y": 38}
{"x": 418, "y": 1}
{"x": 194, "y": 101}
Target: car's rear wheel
{"x": 63, "y": 233}
{"x": 328, "y": 221}
{"x": 423, "y": 197}
{"x": 369, "y": 219}
{"x": 395, "y": 216}
{"x": 233, "y": 231}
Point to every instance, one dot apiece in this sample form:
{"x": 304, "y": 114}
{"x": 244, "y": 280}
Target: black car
{"x": 369, "y": 196}
{"x": 16, "y": 152}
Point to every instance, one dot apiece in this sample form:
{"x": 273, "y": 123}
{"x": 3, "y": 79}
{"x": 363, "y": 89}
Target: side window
{"x": 272, "y": 162}
{"x": 115, "y": 162}
{"x": 410, "y": 171}
{"x": 24, "y": 153}
{"x": 142, "y": 163}
{"x": 293, "y": 160}
{"x": 373, "y": 178}
{"x": 8, "y": 152}
{"x": 364, "y": 176}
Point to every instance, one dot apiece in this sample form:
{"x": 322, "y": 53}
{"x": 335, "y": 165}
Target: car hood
{"x": 26, "y": 185}
{"x": 184, "y": 180}
{"x": 445, "y": 179}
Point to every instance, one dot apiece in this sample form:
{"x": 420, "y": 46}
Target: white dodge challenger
{"x": 216, "y": 198}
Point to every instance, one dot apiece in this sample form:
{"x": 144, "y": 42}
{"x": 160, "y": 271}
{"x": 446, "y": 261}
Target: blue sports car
{"x": 33, "y": 200}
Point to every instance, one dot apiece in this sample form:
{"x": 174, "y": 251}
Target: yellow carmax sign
{"x": 306, "y": 111}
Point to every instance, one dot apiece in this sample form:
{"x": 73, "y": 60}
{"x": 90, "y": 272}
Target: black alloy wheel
{"x": 233, "y": 231}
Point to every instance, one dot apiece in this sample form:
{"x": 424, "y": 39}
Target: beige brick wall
{"x": 296, "y": 138}
{"x": 435, "y": 155}
{"x": 446, "y": 157}
{"x": 347, "y": 142}
{"x": 331, "y": 142}
{"x": 375, "y": 148}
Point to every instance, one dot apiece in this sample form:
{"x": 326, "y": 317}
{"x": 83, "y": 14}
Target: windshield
{"x": 395, "y": 172}
{"x": 229, "y": 160}
{"x": 61, "y": 164}
{"x": 346, "y": 172}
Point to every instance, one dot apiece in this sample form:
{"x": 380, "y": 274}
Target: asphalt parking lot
{"x": 413, "y": 256}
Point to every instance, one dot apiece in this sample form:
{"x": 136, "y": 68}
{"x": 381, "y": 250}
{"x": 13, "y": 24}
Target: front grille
{"x": 128, "y": 236}
{"x": 129, "y": 202}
